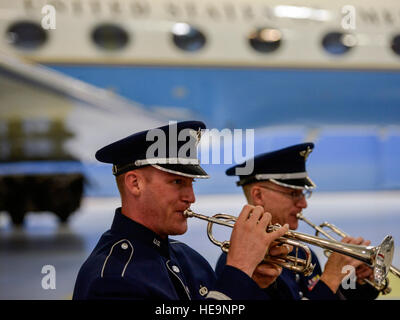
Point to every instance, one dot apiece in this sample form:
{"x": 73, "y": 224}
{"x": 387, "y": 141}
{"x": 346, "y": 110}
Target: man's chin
{"x": 293, "y": 225}
{"x": 179, "y": 230}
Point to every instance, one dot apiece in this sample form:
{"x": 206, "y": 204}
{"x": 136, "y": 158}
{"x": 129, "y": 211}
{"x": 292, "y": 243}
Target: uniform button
{"x": 297, "y": 277}
{"x": 301, "y": 294}
{"x": 203, "y": 291}
{"x": 175, "y": 269}
{"x": 124, "y": 246}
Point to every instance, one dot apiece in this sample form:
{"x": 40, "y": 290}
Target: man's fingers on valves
{"x": 280, "y": 250}
{"x": 278, "y": 232}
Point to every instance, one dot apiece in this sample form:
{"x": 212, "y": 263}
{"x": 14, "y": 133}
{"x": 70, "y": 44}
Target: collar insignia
{"x": 156, "y": 242}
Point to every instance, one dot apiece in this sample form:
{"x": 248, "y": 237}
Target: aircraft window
{"x": 338, "y": 43}
{"x": 265, "y": 40}
{"x": 110, "y": 37}
{"x": 396, "y": 44}
{"x": 26, "y": 35}
{"x": 187, "y": 37}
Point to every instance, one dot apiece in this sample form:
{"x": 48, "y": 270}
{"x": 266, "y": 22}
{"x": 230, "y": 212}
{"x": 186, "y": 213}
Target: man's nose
{"x": 302, "y": 203}
{"x": 188, "y": 195}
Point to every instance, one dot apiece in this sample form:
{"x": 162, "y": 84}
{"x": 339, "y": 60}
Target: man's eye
{"x": 177, "y": 181}
{"x": 297, "y": 195}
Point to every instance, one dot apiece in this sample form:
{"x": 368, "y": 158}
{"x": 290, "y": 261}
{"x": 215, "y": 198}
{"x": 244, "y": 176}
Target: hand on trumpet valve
{"x": 250, "y": 240}
{"x": 280, "y": 250}
{"x": 267, "y": 272}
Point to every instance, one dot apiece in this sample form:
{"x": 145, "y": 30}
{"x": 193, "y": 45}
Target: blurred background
{"x": 76, "y": 75}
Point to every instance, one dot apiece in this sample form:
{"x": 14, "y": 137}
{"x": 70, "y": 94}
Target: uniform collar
{"x": 129, "y": 228}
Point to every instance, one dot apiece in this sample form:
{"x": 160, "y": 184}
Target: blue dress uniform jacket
{"x": 295, "y": 286}
{"x": 132, "y": 262}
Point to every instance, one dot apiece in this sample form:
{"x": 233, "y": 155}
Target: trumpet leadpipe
{"x": 190, "y": 214}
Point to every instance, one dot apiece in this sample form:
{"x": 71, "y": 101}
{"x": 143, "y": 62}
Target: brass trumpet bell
{"x": 379, "y": 257}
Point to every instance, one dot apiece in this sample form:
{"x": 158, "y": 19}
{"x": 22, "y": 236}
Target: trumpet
{"x": 382, "y": 286}
{"x": 379, "y": 257}
{"x": 293, "y": 263}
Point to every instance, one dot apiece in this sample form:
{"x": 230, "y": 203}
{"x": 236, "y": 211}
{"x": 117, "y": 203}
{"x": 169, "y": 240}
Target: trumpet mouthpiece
{"x": 188, "y": 213}
{"x": 299, "y": 215}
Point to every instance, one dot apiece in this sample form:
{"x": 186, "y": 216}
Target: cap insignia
{"x": 306, "y": 153}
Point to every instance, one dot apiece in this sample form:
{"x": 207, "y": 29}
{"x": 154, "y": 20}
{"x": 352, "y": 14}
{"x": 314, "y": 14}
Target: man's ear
{"x": 133, "y": 183}
{"x": 256, "y": 196}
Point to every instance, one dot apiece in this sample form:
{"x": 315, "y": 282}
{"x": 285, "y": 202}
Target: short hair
{"x": 247, "y": 192}
{"x": 120, "y": 183}
{"x": 247, "y": 189}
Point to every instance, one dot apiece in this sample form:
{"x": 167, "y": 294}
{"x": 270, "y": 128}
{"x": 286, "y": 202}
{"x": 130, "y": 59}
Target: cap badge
{"x": 198, "y": 136}
{"x": 306, "y": 153}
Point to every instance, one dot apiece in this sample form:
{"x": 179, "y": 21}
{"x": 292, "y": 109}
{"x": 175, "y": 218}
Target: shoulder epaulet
{"x": 118, "y": 258}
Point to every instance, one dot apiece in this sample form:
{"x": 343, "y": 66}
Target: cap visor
{"x": 304, "y": 183}
{"x": 186, "y": 170}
